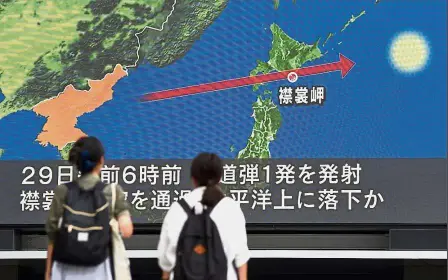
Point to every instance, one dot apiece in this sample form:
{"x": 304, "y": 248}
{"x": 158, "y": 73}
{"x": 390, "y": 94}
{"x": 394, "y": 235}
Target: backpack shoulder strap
{"x": 183, "y": 203}
{"x": 113, "y": 187}
{"x": 99, "y": 186}
{"x": 71, "y": 185}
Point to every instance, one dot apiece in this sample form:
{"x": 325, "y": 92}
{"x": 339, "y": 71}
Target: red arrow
{"x": 344, "y": 65}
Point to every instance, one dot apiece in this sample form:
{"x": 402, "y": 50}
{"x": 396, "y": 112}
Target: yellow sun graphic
{"x": 409, "y": 52}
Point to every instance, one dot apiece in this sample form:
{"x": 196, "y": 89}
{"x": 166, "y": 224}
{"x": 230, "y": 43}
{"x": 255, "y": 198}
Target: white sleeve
{"x": 242, "y": 255}
{"x": 166, "y": 249}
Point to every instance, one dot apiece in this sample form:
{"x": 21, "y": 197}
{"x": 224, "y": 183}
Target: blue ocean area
{"x": 374, "y": 112}
{"x": 19, "y": 133}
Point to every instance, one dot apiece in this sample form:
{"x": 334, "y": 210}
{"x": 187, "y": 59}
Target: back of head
{"x": 207, "y": 170}
{"x": 86, "y": 154}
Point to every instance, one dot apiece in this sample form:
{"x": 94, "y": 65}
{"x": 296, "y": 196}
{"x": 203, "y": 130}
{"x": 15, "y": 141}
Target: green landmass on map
{"x": 267, "y": 92}
{"x": 267, "y": 121}
{"x": 277, "y": 3}
{"x": 329, "y": 36}
{"x": 232, "y": 148}
{"x": 65, "y": 151}
{"x": 285, "y": 54}
{"x": 189, "y": 21}
{"x": 352, "y": 20}
{"x": 1, "y": 152}
{"x": 47, "y": 45}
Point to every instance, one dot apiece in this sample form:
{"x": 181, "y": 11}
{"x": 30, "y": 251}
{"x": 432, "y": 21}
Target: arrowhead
{"x": 345, "y": 65}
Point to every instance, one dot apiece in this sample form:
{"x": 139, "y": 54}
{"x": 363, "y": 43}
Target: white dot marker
{"x": 293, "y": 77}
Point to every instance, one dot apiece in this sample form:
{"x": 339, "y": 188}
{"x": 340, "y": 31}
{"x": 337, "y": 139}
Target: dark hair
{"x": 206, "y": 170}
{"x": 86, "y": 154}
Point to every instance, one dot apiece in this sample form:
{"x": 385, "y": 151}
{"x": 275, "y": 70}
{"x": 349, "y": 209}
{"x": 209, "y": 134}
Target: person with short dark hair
{"x": 203, "y": 235}
{"x": 78, "y": 222}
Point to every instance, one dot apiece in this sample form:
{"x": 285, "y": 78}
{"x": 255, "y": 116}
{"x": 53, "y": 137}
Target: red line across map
{"x": 344, "y": 65}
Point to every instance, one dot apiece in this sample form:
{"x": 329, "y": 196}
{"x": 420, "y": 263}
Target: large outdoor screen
{"x": 325, "y": 111}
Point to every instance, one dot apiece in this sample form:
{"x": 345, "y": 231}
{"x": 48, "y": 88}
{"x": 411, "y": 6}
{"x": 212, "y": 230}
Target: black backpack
{"x": 200, "y": 253}
{"x": 84, "y": 234}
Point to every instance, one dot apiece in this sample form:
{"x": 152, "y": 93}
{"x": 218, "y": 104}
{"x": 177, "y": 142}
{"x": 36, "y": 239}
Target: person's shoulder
{"x": 230, "y": 201}
{"x": 230, "y": 211}
{"x": 107, "y": 188}
{"x": 61, "y": 189}
{"x": 174, "y": 215}
{"x": 174, "y": 209}
{"x": 229, "y": 204}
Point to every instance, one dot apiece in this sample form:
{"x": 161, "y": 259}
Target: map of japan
{"x": 213, "y": 71}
